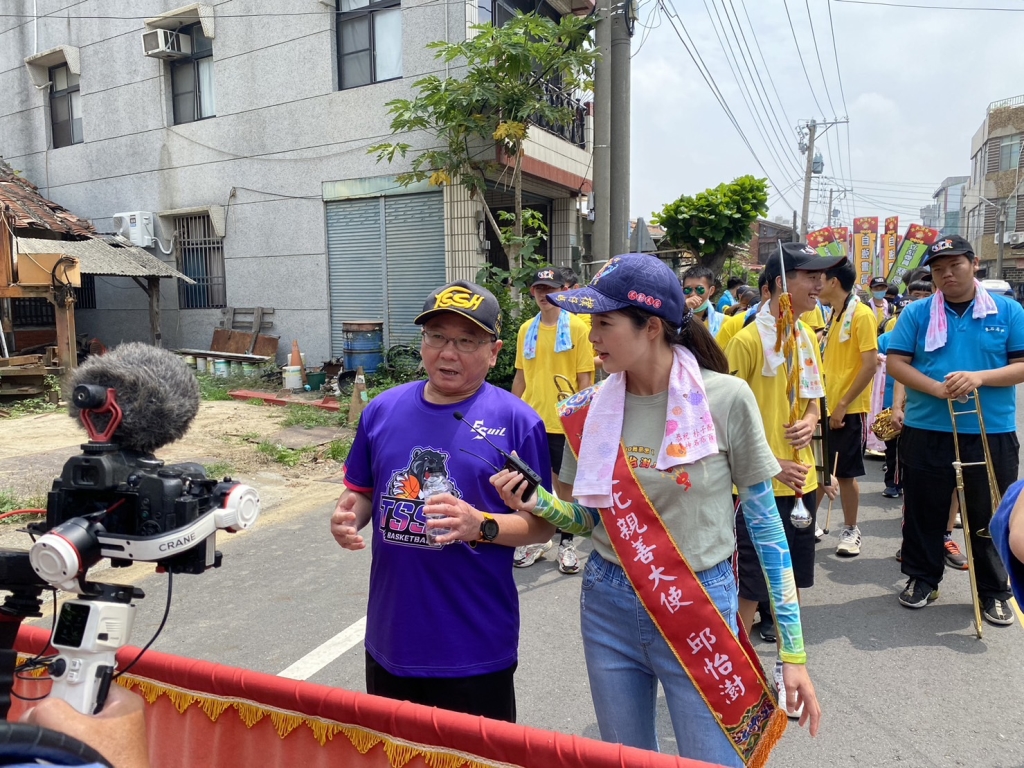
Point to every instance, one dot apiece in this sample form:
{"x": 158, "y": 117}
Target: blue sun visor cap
{"x": 631, "y": 280}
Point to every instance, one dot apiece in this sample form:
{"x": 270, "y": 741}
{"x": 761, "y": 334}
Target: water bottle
{"x": 433, "y": 533}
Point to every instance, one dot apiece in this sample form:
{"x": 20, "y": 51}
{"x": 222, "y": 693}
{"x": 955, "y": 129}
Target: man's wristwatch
{"x": 488, "y": 528}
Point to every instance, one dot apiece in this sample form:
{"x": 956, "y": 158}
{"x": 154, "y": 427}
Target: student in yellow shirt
{"x": 850, "y": 359}
{"x": 733, "y": 323}
{"x": 752, "y": 357}
{"x": 552, "y": 343}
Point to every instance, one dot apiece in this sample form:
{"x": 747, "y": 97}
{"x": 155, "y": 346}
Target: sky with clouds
{"x": 916, "y": 82}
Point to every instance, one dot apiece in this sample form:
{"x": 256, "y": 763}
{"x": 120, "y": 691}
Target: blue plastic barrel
{"x": 363, "y": 345}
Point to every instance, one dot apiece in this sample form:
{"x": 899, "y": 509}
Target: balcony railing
{"x": 575, "y": 131}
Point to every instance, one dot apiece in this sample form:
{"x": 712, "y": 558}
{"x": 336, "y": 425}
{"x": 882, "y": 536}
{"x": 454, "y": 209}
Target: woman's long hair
{"x": 693, "y": 335}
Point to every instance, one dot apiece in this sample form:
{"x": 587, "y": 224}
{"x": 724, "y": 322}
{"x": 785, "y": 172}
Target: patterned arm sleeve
{"x": 769, "y": 538}
{"x": 566, "y": 515}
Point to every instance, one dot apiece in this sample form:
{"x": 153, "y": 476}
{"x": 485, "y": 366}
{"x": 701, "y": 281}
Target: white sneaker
{"x": 568, "y": 560}
{"x": 781, "y": 686}
{"x": 819, "y": 534}
{"x": 527, "y": 555}
{"x": 849, "y": 541}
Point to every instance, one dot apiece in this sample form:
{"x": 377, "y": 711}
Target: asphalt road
{"x": 897, "y": 687}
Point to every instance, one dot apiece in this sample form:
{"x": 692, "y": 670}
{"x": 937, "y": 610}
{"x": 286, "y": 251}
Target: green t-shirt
{"x": 694, "y": 500}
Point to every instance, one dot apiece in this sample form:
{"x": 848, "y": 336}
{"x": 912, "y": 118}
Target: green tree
{"x": 710, "y": 222}
{"x": 502, "y": 88}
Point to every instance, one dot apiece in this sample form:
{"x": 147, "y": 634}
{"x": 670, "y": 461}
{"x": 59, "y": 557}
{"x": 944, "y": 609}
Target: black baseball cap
{"x": 880, "y": 281}
{"x": 798, "y": 257}
{"x": 467, "y": 299}
{"x": 949, "y": 245}
{"x": 548, "y": 275}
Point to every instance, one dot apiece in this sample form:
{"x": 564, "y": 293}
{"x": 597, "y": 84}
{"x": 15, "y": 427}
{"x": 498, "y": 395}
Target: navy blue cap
{"x": 948, "y": 245}
{"x": 631, "y": 280}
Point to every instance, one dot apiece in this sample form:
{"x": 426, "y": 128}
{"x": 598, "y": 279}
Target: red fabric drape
{"x": 392, "y": 733}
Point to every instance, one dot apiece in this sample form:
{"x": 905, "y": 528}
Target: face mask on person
{"x": 878, "y": 294}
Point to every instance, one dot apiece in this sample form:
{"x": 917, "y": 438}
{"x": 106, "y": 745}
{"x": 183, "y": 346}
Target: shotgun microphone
{"x": 512, "y": 463}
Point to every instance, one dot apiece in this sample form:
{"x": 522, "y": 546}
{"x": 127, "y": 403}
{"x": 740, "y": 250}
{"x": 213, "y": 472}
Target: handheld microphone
{"x": 512, "y": 463}
{"x": 157, "y": 394}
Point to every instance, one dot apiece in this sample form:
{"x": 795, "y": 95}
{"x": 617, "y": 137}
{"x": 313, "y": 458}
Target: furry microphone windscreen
{"x": 157, "y": 392}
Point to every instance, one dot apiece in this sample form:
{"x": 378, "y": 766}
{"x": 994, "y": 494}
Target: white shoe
{"x": 781, "y": 686}
{"x": 568, "y": 560}
{"x": 527, "y": 555}
{"x": 849, "y": 541}
{"x": 819, "y": 534}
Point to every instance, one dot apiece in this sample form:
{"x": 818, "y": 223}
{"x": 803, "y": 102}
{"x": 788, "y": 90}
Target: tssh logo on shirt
{"x": 478, "y": 427}
{"x": 401, "y": 505}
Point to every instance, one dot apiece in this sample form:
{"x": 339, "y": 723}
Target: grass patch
{"x": 218, "y": 470}
{"x": 254, "y": 401}
{"x": 338, "y": 450}
{"x": 32, "y": 406}
{"x": 281, "y": 455}
{"x": 10, "y": 501}
{"x": 214, "y": 388}
{"x": 309, "y": 416}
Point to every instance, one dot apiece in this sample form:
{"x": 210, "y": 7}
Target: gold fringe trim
{"x": 399, "y": 752}
{"x": 772, "y": 733}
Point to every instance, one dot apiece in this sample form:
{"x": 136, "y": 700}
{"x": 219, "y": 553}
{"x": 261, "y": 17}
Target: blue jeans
{"x": 627, "y": 656}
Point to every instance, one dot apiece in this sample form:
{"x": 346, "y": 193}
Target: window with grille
{"x": 369, "y": 42}
{"x": 192, "y": 79}
{"x": 65, "y": 107}
{"x": 85, "y": 296}
{"x": 200, "y": 255}
{"x": 1009, "y": 152}
{"x": 38, "y": 312}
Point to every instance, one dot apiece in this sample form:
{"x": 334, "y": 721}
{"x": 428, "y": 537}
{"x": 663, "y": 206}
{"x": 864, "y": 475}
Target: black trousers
{"x": 892, "y": 474}
{"x": 492, "y": 695}
{"x": 926, "y": 464}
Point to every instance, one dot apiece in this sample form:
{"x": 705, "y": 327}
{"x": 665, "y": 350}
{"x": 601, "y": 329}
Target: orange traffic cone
{"x": 296, "y": 358}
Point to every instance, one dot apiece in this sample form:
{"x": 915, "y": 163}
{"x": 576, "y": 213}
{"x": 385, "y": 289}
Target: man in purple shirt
{"x": 442, "y": 624}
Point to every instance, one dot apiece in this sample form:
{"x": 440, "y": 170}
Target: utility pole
{"x": 830, "y": 192}
{"x": 808, "y": 172}
{"x": 796, "y": 237}
{"x": 621, "y": 49}
{"x": 602, "y": 133}
{"x": 1002, "y": 239}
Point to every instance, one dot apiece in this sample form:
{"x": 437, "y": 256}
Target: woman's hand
{"x": 504, "y": 482}
{"x": 793, "y": 474}
{"x": 800, "y": 690}
{"x": 446, "y": 511}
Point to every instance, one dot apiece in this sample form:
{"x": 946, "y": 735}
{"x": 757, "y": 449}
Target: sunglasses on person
{"x": 700, "y": 289}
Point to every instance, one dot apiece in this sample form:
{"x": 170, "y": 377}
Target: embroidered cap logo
{"x": 459, "y": 298}
{"x": 546, "y": 274}
{"x": 942, "y": 245}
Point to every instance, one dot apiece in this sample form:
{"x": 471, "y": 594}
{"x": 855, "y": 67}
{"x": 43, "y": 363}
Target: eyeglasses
{"x": 463, "y": 344}
{"x": 700, "y": 289}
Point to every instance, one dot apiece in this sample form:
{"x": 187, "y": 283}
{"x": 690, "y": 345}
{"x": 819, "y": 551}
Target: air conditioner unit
{"x": 165, "y": 44}
{"x": 1012, "y": 238}
{"x": 135, "y": 226}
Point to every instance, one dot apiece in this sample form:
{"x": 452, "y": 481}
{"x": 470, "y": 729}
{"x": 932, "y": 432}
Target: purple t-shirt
{"x": 435, "y": 611}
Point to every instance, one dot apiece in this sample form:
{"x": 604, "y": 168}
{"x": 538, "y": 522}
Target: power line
{"x": 694, "y": 55}
{"x": 801, "y": 57}
{"x": 817, "y": 53}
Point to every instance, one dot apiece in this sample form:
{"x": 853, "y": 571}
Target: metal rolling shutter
{"x": 355, "y": 246}
{"x": 414, "y": 229}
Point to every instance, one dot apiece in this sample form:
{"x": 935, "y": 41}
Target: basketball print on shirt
{"x": 401, "y": 505}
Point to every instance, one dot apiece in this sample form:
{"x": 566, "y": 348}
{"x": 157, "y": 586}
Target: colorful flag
{"x": 824, "y": 241}
{"x": 865, "y": 242}
{"x": 889, "y": 243}
{"x": 912, "y": 249}
{"x": 843, "y": 237}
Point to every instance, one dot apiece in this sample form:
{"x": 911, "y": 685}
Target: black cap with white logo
{"x": 948, "y": 245}
{"x": 799, "y": 257}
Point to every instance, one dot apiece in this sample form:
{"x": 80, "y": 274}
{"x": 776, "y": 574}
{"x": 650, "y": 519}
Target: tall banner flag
{"x": 843, "y": 237}
{"x": 889, "y": 242}
{"x": 865, "y": 243}
{"x": 912, "y": 249}
{"x": 824, "y": 241}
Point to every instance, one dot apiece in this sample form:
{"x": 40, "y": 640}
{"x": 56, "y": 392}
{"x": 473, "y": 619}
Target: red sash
{"x": 725, "y": 671}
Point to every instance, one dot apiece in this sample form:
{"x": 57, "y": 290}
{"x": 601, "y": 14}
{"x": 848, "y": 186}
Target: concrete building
{"x": 994, "y": 185}
{"x": 244, "y": 131}
{"x": 930, "y": 216}
{"x": 948, "y": 199}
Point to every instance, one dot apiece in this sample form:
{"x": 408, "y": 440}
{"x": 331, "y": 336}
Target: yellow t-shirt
{"x": 842, "y": 358}
{"x": 813, "y": 319}
{"x": 541, "y": 392}
{"x": 746, "y": 360}
{"x": 890, "y": 323}
{"x": 730, "y": 327}
{"x": 587, "y": 321}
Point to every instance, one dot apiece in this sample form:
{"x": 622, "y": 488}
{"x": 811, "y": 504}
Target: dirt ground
{"x": 33, "y": 450}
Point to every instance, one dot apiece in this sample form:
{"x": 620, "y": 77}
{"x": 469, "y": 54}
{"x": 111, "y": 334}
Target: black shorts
{"x": 556, "y": 445}
{"x": 801, "y": 549}
{"x": 848, "y": 442}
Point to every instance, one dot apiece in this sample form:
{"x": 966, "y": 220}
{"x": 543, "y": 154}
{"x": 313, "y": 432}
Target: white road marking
{"x": 320, "y": 657}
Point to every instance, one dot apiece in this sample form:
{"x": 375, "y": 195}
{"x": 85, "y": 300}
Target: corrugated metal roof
{"x": 33, "y": 211}
{"x": 104, "y": 255}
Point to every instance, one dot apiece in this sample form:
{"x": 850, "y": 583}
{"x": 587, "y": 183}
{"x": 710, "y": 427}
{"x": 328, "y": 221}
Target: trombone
{"x": 564, "y": 387}
{"x": 995, "y": 496}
